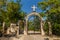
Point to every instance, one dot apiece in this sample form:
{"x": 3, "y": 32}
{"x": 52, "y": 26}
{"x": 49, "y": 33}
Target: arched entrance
{"x": 26, "y": 23}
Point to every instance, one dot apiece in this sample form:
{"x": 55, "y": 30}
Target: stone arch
{"x": 26, "y": 22}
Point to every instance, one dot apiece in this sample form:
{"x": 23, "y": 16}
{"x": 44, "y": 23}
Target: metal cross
{"x": 34, "y": 8}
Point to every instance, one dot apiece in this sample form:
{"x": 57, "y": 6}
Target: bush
{"x": 56, "y": 29}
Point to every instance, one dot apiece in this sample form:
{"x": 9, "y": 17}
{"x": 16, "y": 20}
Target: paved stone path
{"x": 33, "y": 37}
{"x": 28, "y": 37}
{"x": 24, "y": 37}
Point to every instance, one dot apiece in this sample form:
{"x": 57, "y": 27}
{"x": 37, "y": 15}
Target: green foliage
{"x": 30, "y": 25}
{"x": 56, "y": 29}
{"x": 34, "y": 24}
{"x": 0, "y": 26}
{"x": 46, "y": 28}
{"x": 31, "y": 28}
{"x": 1, "y": 20}
{"x": 52, "y": 10}
{"x": 10, "y": 12}
{"x": 13, "y": 10}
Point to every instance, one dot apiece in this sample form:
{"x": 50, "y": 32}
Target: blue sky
{"x": 27, "y": 4}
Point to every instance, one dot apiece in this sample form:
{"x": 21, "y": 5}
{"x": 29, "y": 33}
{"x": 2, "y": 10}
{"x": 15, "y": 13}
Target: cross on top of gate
{"x": 34, "y": 8}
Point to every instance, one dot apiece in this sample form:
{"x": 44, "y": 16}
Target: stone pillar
{"x": 3, "y": 27}
{"x": 18, "y": 27}
{"x": 50, "y": 30}
{"x": 17, "y": 31}
{"x": 25, "y": 27}
{"x": 42, "y": 30}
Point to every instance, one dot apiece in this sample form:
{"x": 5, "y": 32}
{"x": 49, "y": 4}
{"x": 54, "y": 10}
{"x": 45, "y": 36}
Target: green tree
{"x": 10, "y": 12}
{"x": 2, "y": 13}
{"x": 52, "y": 9}
{"x": 13, "y": 10}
